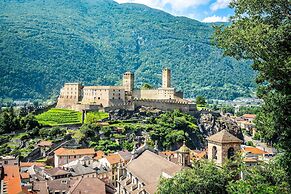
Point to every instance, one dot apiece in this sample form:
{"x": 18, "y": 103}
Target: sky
{"x": 202, "y": 10}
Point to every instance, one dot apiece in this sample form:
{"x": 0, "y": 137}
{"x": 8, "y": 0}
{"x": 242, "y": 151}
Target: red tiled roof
{"x": 12, "y": 179}
{"x": 113, "y": 158}
{"x": 72, "y": 152}
{"x": 98, "y": 155}
{"x": 24, "y": 175}
{"x": 29, "y": 164}
{"x": 253, "y": 150}
{"x": 250, "y": 116}
{"x": 45, "y": 143}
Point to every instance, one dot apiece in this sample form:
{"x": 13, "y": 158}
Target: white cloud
{"x": 219, "y": 4}
{"x": 175, "y": 7}
{"x": 215, "y": 19}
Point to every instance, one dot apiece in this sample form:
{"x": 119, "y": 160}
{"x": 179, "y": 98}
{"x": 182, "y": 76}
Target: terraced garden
{"x": 56, "y": 116}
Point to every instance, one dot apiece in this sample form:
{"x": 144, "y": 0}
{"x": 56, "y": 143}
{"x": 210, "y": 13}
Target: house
{"x": 125, "y": 156}
{"x": 9, "y": 160}
{"x": 90, "y": 185}
{"x": 249, "y": 117}
{"x": 253, "y": 152}
{"x": 64, "y": 156}
{"x": 55, "y": 173}
{"x": 24, "y": 166}
{"x": 111, "y": 161}
{"x": 11, "y": 180}
{"x": 142, "y": 174}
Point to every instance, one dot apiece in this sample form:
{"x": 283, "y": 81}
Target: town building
{"x": 222, "y": 146}
{"x": 78, "y": 97}
{"x": 63, "y": 156}
{"x": 142, "y": 174}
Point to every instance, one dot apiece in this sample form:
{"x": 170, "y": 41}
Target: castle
{"x": 78, "y": 97}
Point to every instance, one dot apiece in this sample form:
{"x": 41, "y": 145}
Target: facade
{"x": 222, "y": 146}
{"x": 64, "y": 156}
{"x": 78, "y": 97}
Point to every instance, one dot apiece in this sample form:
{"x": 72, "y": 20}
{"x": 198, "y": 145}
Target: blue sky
{"x": 202, "y": 10}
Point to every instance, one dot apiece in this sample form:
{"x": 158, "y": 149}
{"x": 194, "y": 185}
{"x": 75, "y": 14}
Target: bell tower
{"x": 222, "y": 146}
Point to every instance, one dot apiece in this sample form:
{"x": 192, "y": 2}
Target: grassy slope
{"x": 55, "y": 117}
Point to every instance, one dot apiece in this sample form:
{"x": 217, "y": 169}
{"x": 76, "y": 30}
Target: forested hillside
{"x": 46, "y": 43}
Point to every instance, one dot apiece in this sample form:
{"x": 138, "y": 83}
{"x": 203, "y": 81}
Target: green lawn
{"x": 56, "y": 116}
{"x": 93, "y": 117}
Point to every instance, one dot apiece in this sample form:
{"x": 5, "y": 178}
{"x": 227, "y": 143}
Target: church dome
{"x": 184, "y": 148}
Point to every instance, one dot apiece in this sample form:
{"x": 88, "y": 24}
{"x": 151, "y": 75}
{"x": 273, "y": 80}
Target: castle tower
{"x": 128, "y": 81}
{"x": 184, "y": 155}
{"x": 166, "y": 79}
{"x": 222, "y": 146}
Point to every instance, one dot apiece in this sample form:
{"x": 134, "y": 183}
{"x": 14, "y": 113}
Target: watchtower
{"x": 128, "y": 81}
{"x": 222, "y": 145}
{"x": 166, "y": 79}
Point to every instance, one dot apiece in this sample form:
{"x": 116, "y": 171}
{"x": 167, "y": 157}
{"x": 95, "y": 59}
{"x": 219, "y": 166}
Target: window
{"x": 230, "y": 153}
{"x": 214, "y": 153}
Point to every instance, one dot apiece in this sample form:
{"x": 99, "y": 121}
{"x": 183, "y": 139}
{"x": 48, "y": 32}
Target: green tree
{"x": 146, "y": 86}
{"x": 204, "y": 177}
{"x": 260, "y": 31}
{"x": 200, "y": 100}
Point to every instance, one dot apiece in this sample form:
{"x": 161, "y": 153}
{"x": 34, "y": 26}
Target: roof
{"x": 88, "y": 185}
{"x": 56, "y": 171}
{"x": 40, "y": 187}
{"x": 72, "y": 152}
{"x": 24, "y": 175}
{"x": 224, "y": 137}
{"x": 167, "y": 153}
{"x": 29, "y": 164}
{"x": 250, "y": 160}
{"x": 149, "y": 166}
{"x": 79, "y": 169}
{"x": 125, "y": 155}
{"x": 12, "y": 179}
{"x": 199, "y": 154}
{"x": 250, "y": 116}
{"x": 183, "y": 148}
{"x": 45, "y": 143}
{"x": 253, "y": 150}
{"x": 62, "y": 184}
{"x": 98, "y": 155}
{"x": 113, "y": 158}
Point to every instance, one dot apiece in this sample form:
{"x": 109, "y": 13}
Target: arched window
{"x": 230, "y": 153}
{"x": 214, "y": 152}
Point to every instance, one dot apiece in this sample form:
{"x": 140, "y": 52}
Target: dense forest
{"x": 46, "y": 43}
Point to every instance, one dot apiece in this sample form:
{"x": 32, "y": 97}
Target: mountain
{"x": 44, "y": 44}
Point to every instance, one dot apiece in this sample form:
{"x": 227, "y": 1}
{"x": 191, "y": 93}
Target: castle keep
{"x": 78, "y": 97}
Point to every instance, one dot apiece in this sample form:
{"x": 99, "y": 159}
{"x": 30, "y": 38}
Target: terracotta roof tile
{"x": 72, "y": 152}
{"x": 29, "y": 164}
{"x": 12, "y": 179}
{"x": 253, "y": 150}
{"x": 45, "y": 143}
{"x": 113, "y": 158}
{"x": 224, "y": 137}
{"x": 24, "y": 175}
{"x": 250, "y": 116}
{"x": 98, "y": 155}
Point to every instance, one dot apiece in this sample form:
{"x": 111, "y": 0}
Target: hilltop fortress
{"x": 77, "y": 97}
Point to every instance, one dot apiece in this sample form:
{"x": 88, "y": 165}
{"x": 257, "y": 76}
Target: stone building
{"x": 64, "y": 156}
{"x": 78, "y": 97}
{"x": 142, "y": 174}
{"x": 222, "y": 146}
